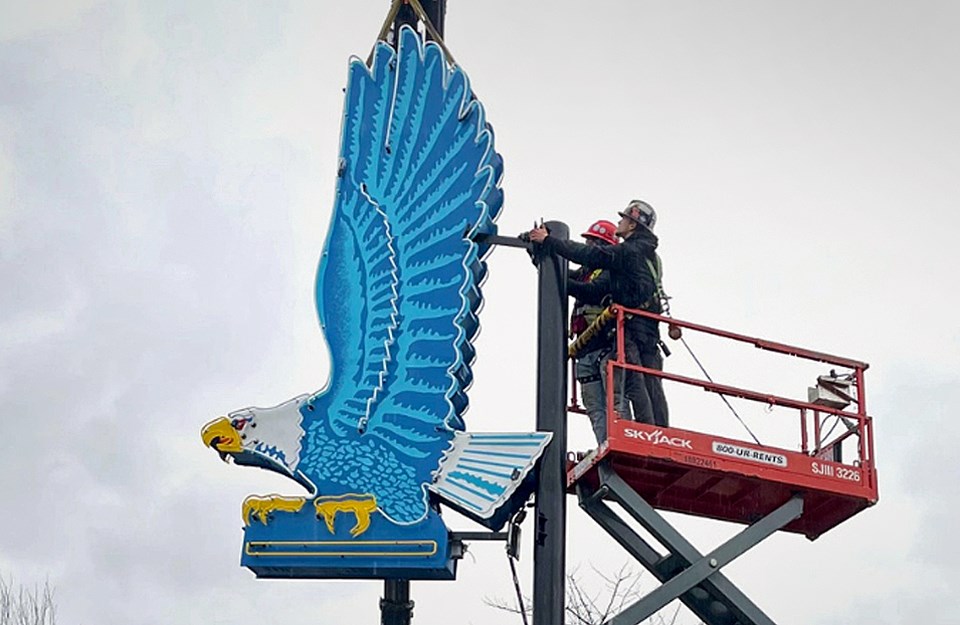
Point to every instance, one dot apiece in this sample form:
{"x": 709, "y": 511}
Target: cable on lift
{"x": 513, "y": 554}
{"x": 722, "y": 396}
{"x": 676, "y": 334}
{"x": 516, "y": 585}
{"x": 604, "y": 317}
{"x": 838, "y": 419}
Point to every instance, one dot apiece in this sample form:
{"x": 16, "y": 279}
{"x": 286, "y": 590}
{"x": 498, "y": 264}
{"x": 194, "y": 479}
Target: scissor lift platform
{"x": 720, "y": 478}
{"x": 645, "y": 468}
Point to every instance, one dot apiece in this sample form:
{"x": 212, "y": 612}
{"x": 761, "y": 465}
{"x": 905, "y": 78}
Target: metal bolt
{"x": 713, "y": 563}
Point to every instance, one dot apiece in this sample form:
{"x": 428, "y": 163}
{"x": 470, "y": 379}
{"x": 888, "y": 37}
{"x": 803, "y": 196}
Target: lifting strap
{"x": 418, "y": 9}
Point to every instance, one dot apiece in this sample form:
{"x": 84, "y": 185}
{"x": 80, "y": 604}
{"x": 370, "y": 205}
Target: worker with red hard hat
{"x": 603, "y": 230}
{"x": 591, "y": 359}
{"x": 634, "y": 269}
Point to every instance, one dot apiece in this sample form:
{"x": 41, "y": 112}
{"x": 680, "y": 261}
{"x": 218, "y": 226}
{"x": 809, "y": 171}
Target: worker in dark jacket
{"x": 647, "y": 334}
{"x": 632, "y": 284}
{"x": 592, "y": 356}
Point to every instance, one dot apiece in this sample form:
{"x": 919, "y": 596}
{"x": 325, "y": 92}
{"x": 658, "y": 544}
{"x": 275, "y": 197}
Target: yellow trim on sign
{"x": 362, "y": 506}
{"x": 261, "y": 507}
{"x": 430, "y": 543}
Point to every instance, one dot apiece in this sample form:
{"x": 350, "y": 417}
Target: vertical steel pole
{"x": 405, "y": 17}
{"x": 396, "y": 608}
{"x": 549, "y": 557}
{"x": 436, "y": 10}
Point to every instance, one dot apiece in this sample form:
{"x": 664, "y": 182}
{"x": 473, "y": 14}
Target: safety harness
{"x": 584, "y": 314}
{"x": 603, "y": 318}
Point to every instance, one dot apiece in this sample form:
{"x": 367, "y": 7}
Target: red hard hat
{"x": 603, "y": 230}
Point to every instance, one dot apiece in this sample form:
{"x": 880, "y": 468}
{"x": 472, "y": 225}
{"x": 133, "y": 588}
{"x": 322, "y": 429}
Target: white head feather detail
{"x": 274, "y": 432}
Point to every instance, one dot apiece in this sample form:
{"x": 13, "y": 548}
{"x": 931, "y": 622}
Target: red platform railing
{"x": 817, "y": 462}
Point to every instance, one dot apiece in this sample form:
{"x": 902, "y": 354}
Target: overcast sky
{"x": 166, "y": 177}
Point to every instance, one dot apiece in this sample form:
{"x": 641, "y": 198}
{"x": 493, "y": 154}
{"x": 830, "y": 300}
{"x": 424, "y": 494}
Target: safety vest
{"x": 585, "y": 314}
{"x": 656, "y": 271}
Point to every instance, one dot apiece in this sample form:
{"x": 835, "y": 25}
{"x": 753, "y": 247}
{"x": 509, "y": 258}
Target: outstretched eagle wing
{"x": 398, "y": 288}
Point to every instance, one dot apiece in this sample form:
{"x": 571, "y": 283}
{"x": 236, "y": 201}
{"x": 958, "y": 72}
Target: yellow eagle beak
{"x": 221, "y": 436}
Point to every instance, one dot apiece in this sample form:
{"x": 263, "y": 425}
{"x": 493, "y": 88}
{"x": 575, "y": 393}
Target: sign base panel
{"x": 301, "y": 546}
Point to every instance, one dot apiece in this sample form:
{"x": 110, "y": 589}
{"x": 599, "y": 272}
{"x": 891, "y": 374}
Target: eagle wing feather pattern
{"x": 419, "y": 168}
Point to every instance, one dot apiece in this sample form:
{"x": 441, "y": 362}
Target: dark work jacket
{"x": 599, "y": 287}
{"x": 631, "y": 282}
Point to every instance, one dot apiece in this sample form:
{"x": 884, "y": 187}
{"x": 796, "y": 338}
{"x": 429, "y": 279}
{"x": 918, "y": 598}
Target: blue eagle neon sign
{"x": 398, "y": 293}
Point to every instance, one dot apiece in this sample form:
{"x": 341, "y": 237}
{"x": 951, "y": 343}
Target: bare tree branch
{"x": 25, "y": 606}
{"x": 619, "y": 590}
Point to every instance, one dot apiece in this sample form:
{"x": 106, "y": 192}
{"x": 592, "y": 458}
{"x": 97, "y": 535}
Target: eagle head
{"x": 264, "y": 437}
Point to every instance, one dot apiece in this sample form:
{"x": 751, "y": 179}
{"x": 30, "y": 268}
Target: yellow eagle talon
{"x": 362, "y": 506}
{"x": 261, "y": 507}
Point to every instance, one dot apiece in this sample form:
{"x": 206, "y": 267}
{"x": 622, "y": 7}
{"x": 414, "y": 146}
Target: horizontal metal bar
{"x": 588, "y": 500}
{"x": 733, "y": 391}
{"x": 478, "y": 535}
{"x": 496, "y": 239}
{"x": 783, "y": 348}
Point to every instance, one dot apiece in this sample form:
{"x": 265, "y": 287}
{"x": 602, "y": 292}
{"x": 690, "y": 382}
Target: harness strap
{"x": 592, "y": 330}
{"x": 656, "y": 271}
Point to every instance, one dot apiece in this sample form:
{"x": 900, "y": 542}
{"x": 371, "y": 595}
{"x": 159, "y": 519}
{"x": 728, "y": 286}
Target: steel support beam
{"x": 405, "y": 17}
{"x": 436, "y": 11}
{"x": 549, "y": 572}
{"x": 706, "y": 566}
{"x": 707, "y": 607}
{"x": 717, "y": 585}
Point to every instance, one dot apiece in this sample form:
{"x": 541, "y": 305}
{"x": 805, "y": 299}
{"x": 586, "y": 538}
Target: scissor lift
{"x": 644, "y": 468}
